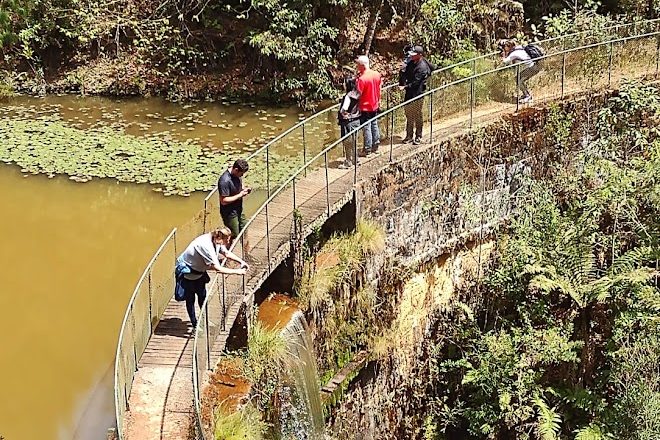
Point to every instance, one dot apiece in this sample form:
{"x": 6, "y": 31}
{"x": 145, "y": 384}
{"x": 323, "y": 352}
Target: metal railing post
{"x": 609, "y": 65}
{"x": 431, "y": 117}
{"x": 327, "y": 184}
{"x": 268, "y": 237}
{"x": 304, "y": 151}
{"x": 294, "y": 193}
{"x": 517, "y": 87}
{"x": 392, "y": 134}
{"x": 471, "y": 101}
{"x": 563, "y": 73}
{"x": 208, "y": 341}
{"x": 150, "y": 300}
{"x": 472, "y": 92}
{"x": 657, "y": 55}
{"x": 355, "y": 157}
{"x": 204, "y": 217}
{"x": 135, "y": 356}
{"x": 175, "y": 253}
{"x": 243, "y": 258}
{"x": 224, "y": 306}
{"x": 268, "y": 168}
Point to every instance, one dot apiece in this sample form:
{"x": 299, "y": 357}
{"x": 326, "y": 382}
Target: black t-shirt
{"x": 230, "y": 185}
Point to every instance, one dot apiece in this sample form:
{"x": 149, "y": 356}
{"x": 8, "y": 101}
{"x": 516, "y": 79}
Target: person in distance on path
{"x": 368, "y": 86}
{"x": 513, "y": 53}
{"x": 348, "y": 118}
{"x": 414, "y": 77}
{"x": 232, "y": 193}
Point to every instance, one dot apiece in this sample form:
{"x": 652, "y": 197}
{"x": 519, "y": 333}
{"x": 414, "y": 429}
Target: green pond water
{"x": 72, "y": 252}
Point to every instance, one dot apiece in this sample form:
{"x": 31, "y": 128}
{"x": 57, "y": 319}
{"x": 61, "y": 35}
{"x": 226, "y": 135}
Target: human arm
{"x": 226, "y": 200}
{"x": 229, "y": 270}
{"x": 232, "y": 256}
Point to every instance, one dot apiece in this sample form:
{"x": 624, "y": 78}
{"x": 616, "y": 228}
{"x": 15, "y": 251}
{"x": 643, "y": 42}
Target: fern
{"x": 592, "y": 432}
{"x": 549, "y": 422}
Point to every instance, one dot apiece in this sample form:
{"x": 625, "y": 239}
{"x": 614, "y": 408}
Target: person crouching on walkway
{"x": 202, "y": 254}
{"x": 513, "y": 53}
{"x": 368, "y": 87}
{"x": 414, "y": 79}
{"x": 349, "y": 121}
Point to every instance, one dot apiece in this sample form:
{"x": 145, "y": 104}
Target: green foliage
{"x": 294, "y": 36}
{"x": 567, "y": 345}
{"x": 549, "y": 421}
{"x": 573, "y": 20}
{"x": 244, "y": 424}
{"x": 592, "y": 432}
{"x": 331, "y": 294}
{"x": 503, "y": 387}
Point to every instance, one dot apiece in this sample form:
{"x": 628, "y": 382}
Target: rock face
{"x": 439, "y": 207}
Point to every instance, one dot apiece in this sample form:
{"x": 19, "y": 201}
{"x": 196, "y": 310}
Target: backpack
{"x": 534, "y": 51}
{"x": 351, "y": 108}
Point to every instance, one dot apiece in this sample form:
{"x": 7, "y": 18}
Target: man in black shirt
{"x": 413, "y": 80}
{"x": 231, "y": 191}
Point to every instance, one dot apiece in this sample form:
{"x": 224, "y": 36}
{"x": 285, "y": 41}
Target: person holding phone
{"x": 232, "y": 193}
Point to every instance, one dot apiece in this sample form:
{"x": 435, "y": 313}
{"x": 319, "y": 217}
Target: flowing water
{"x": 302, "y": 413}
{"x": 71, "y": 254}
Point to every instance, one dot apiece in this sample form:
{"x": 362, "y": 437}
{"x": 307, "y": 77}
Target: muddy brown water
{"x": 71, "y": 254}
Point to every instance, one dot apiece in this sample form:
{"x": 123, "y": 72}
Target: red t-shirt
{"x": 368, "y": 85}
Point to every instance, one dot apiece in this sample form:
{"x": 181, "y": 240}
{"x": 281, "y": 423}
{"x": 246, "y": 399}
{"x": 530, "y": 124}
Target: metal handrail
{"x": 265, "y": 148}
{"x": 283, "y": 186}
{"x": 127, "y": 315}
{"x": 389, "y": 87}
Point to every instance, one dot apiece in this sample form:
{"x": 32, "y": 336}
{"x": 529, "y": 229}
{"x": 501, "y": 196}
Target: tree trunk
{"x": 374, "y": 15}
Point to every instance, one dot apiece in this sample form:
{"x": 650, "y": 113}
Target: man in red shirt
{"x": 368, "y": 87}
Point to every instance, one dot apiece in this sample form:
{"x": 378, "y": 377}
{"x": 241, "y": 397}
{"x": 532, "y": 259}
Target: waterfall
{"x": 301, "y": 413}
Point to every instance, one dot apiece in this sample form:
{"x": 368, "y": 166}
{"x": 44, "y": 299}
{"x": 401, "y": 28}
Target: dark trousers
{"x": 350, "y": 142}
{"x": 524, "y": 76}
{"x": 192, "y": 288}
{"x": 414, "y": 118}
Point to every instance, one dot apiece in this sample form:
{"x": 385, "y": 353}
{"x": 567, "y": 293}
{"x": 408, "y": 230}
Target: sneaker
{"x": 375, "y": 148}
{"x": 525, "y": 99}
{"x": 345, "y": 166}
{"x": 417, "y": 141}
{"x": 407, "y": 140}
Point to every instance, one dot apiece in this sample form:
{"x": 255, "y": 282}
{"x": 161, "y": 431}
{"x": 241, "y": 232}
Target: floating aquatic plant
{"x": 49, "y": 146}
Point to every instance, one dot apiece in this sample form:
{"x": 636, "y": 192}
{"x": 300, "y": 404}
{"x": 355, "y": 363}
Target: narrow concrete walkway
{"x": 161, "y": 401}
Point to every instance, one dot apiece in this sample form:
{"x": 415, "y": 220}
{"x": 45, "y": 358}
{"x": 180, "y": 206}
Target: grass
{"x": 245, "y": 424}
{"x": 6, "y": 91}
{"x": 337, "y": 263}
{"x": 267, "y": 350}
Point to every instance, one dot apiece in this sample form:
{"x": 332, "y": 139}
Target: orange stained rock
{"x": 275, "y": 312}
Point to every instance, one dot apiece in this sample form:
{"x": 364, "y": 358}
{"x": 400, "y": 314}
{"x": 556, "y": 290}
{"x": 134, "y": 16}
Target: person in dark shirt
{"x": 417, "y": 70}
{"x": 231, "y": 191}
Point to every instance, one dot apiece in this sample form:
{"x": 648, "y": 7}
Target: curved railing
{"x": 455, "y": 107}
{"x": 272, "y": 166}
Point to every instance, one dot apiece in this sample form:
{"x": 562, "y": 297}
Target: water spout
{"x": 301, "y": 413}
